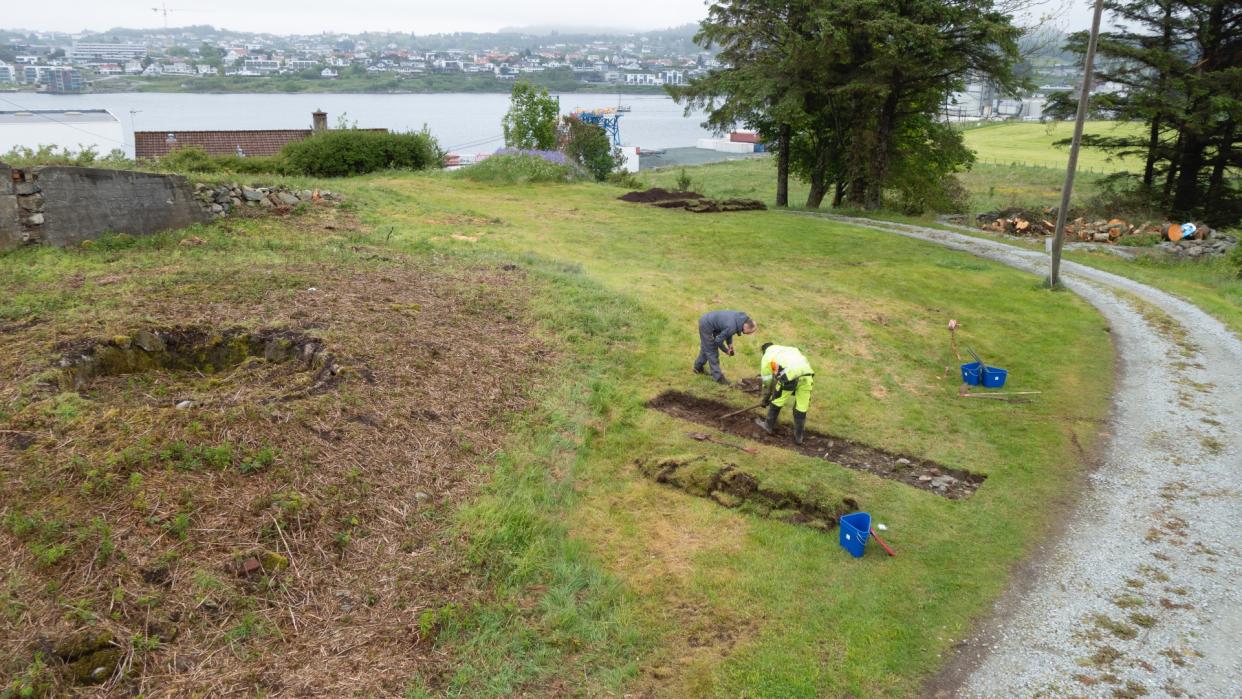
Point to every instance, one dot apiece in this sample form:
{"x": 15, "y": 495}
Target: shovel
{"x": 726, "y": 416}
{"x": 704, "y": 437}
{"x": 881, "y": 542}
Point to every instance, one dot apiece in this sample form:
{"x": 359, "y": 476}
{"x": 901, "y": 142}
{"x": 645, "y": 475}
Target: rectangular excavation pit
{"x": 952, "y": 483}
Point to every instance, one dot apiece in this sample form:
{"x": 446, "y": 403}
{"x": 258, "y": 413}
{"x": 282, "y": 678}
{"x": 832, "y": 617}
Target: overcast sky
{"x": 417, "y": 16}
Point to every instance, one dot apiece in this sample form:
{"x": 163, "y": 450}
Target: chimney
{"x": 320, "y": 118}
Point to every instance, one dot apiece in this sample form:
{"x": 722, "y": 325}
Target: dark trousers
{"x": 709, "y": 352}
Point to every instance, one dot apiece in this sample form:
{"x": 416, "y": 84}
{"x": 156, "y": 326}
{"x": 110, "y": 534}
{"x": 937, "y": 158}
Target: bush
{"x": 519, "y": 168}
{"x": 193, "y": 159}
{"x": 23, "y": 157}
{"x": 355, "y": 152}
{"x": 588, "y": 146}
{"x": 915, "y": 196}
{"x": 684, "y": 183}
{"x": 1234, "y": 261}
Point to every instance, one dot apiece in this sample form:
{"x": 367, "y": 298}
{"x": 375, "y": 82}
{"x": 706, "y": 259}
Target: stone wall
{"x": 9, "y": 236}
{"x": 67, "y": 205}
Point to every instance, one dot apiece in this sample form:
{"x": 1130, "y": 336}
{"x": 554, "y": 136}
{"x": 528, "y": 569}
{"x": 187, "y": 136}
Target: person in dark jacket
{"x": 716, "y": 332}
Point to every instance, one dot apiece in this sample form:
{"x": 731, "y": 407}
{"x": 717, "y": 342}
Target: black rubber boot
{"x": 799, "y": 426}
{"x": 769, "y": 425}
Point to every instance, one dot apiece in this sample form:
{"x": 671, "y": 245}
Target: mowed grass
{"x": 990, "y": 186}
{"x": 1211, "y": 284}
{"x": 1031, "y": 144}
{"x": 709, "y": 601}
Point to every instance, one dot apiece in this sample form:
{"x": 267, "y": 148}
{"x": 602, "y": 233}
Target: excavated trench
{"x": 920, "y": 473}
{"x": 190, "y": 349}
{"x": 730, "y": 486}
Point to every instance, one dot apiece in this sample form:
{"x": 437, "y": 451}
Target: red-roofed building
{"x": 150, "y": 145}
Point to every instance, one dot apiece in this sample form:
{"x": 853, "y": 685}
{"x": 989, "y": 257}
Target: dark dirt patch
{"x": 921, "y": 473}
{"x": 656, "y": 194}
{"x": 691, "y": 201}
{"x": 8, "y": 327}
{"x": 732, "y": 487}
{"x": 713, "y": 206}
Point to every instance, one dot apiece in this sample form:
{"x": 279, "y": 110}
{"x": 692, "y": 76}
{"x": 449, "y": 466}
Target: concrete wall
{"x": 66, "y": 205}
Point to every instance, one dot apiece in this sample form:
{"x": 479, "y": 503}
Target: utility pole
{"x": 1058, "y": 240}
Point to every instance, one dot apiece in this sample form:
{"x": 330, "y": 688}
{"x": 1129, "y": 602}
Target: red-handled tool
{"x": 881, "y": 542}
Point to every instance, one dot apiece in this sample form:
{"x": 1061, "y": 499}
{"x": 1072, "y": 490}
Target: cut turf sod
{"x": 921, "y": 473}
{"x": 731, "y": 487}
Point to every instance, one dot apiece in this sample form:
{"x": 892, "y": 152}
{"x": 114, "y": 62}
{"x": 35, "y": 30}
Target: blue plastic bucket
{"x": 854, "y": 530}
{"x": 971, "y": 373}
{"x": 994, "y": 377}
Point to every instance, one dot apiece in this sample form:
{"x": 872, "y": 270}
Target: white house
{"x": 133, "y": 67}
{"x": 204, "y": 69}
{"x": 328, "y": 73}
{"x": 7, "y": 74}
{"x": 75, "y": 130}
{"x": 179, "y": 69}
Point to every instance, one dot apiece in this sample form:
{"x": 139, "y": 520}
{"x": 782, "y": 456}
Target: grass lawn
{"x": 991, "y": 186}
{"x": 578, "y": 575}
{"x": 1210, "y": 284}
{"x": 1031, "y": 144}
{"x": 729, "y": 604}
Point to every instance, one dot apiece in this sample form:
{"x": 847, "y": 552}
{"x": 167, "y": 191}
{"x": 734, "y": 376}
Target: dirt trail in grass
{"x": 1136, "y": 594}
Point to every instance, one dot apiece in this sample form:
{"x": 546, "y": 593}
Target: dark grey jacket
{"x": 721, "y": 327}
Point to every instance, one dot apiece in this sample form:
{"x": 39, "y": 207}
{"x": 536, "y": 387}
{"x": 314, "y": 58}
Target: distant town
{"x": 208, "y": 59}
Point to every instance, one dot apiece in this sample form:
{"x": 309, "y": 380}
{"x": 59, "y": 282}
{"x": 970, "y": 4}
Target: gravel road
{"x": 1140, "y": 594}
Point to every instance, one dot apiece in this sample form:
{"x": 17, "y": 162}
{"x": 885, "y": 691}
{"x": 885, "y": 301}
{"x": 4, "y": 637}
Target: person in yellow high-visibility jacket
{"x": 785, "y": 373}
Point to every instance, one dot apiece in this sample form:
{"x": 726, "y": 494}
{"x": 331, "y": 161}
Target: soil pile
{"x": 691, "y": 201}
{"x": 920, "y": 473}
{"x": 656, "y": 194}
{"x": 221, "y": 529}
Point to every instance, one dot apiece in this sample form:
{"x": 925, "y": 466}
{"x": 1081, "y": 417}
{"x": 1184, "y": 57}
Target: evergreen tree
{"x": 1177, "y": 65}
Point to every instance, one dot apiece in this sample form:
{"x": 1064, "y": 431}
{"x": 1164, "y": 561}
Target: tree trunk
{"x": 819, "y": 188}
{"x": 1186, "y": 192}
{"x": 883, "y": 136}
{"x": 1216, "y": 182}
{"x": 1153, "y": 142}
{"x": 1175, "y": 161}
{"x": 1153, "y": 145}
{"x": 782, "y": 165}
{"x": 839, "y": 194}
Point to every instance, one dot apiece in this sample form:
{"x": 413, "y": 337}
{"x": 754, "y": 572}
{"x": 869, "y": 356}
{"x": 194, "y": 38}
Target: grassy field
{"x": 1031, "y": 144}
{"x": 558, "y": 567}
{"x": 732, "y": 604}
{"x": 990, "y": 186}
{"x": 1211, "y": 284}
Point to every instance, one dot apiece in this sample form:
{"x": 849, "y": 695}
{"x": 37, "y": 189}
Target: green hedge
{"x": 354, "y": 152}
{"x": 518, "y": 169}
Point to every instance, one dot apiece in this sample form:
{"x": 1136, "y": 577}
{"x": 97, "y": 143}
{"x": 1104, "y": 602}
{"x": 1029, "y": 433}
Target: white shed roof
{"x": 62, "y": 116}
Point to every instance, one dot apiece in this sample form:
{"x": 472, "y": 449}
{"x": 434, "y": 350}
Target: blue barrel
{"x": 994, "y": 377}
{"x": 854, "y": 530}
{"x": 971, "y": 373}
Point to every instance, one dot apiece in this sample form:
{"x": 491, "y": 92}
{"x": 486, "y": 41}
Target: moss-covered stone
{"x": 95, "y": 668}
{"x": 273, "y": 562}
{"x": 81, "y": 644}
